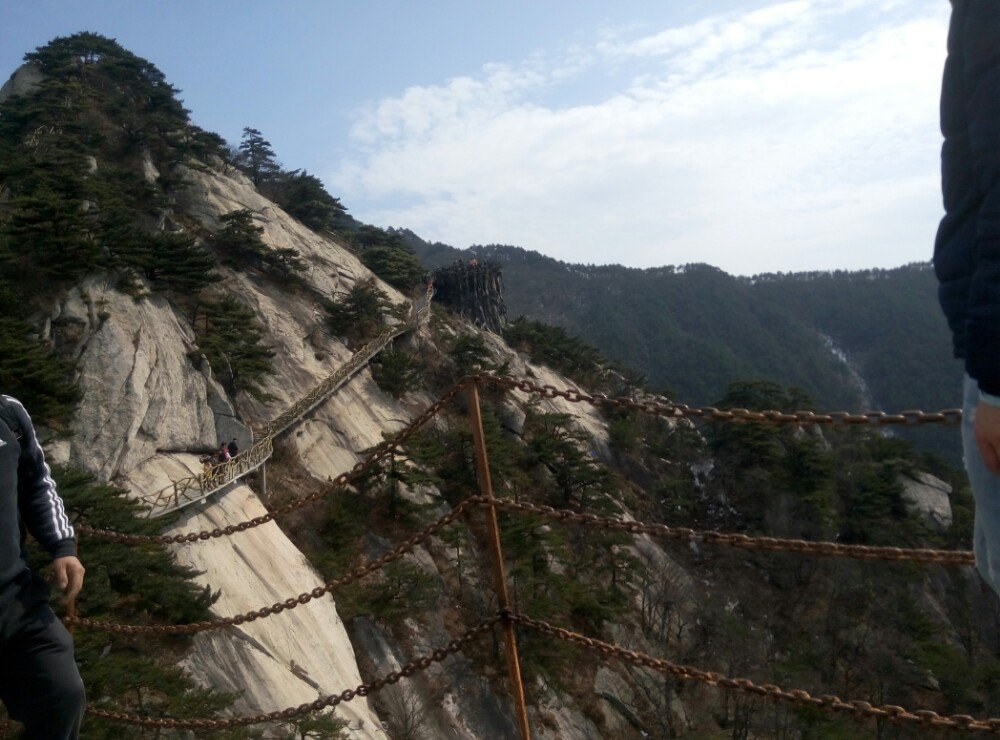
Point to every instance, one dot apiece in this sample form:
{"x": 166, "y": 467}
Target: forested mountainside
{"x": 163, "y": 291}
{"x": 869, "y": 338}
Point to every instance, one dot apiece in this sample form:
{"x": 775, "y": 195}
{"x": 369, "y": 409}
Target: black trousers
{"x": 39, "y": 681}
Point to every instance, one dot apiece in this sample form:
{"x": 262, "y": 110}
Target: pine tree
{"x": 360, "y": 314}
{"x": 174, "y": 262}
{"x": 241, "y": 245}
{"x": 303, "y": 196}
{"x": 388, "y": 256}
{"x": 54, "y": 233}
{"x": 232, "y": 341}
{"x": 257, "y": 157}
{"x": 30, "y": 371}
{"x": 396, "y": 372}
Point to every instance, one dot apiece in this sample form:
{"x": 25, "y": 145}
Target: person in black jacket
{"x": 39, "y": 681}
{"x": 967, "y": 252}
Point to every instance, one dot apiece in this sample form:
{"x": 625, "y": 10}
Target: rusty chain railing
{"x": 766, "y": 544}
{"x": 745, "y": 541}
{"x": 710, "y": 413}
{"x": 947, "y": 417}
{"x": 304, "y": 598}
{"x": 858, "y": 710}
{"x": 283, "y": 715}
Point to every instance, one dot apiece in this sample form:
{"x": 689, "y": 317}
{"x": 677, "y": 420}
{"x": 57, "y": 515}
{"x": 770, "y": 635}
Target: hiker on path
{"x": 223, "y": 453}
{"x": 233, "y": 448}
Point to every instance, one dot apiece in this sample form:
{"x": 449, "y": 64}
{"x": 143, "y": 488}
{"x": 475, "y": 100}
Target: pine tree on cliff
{"x": 241, "y": 245}
{"x": 388, "y": 256}
{"x": 174, "y": 262}
{"x": 258, "y": 156}
{"x": 303, "y": 196}
{"x": 232, "y": 341}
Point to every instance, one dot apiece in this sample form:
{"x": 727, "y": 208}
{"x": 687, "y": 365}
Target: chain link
{"x": 710, "y": 413}
{"x": 858, "y": 710}
{"x": 210, "y": 723}
{"x": 746, "y": 542}
{"x": 908, "y": 418}
{"x": 381, "y": 452}
{"x": 304, "y": 598}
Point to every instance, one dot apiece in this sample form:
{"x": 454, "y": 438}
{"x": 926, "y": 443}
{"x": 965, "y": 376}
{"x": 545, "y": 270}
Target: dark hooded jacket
{"x": 967, "y": 249}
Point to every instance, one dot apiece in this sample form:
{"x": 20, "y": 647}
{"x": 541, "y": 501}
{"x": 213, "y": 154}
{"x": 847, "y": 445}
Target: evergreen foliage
{"x": 173, "y": 261}
{"x": 319, "y": 726}
{"x": 304, "y": 196}
{"x": 300, "y": 194}
{"x": 470, "y": 355}
{"x": 555, "y": 347}
{"x": 131, "y": 584}
{"x": 32, "y": 373}
{"x": 257, "y": 156}
{"x": 360, "y": 314}
{"x": 387, "y": 255}
{"x": 569, "y": 355}
{"x": 396, "y": 372}
{"x": 239, "y": 243}
{"x": 232, "y": 341}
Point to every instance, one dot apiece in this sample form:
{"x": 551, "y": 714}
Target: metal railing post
{"x": 486, "y": 489}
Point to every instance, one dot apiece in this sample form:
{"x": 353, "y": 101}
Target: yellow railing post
{"x": 486, "y": 488}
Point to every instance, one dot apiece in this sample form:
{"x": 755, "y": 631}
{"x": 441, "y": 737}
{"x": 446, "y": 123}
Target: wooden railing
{"x": 186, "y": 491}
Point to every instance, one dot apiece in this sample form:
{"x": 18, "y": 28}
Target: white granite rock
{"x": 927, "y": 496}
{"x": 287, "y": 659}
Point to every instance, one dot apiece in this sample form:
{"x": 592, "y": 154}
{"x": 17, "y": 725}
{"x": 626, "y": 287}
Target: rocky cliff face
{"x": 146, "y": 414}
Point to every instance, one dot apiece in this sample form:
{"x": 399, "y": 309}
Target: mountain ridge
{"x": 866, "y": 339}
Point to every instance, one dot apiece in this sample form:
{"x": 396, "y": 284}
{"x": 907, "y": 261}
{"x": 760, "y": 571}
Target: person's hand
{"x": 68, "y": 572}
{"x": 987, "y": 427}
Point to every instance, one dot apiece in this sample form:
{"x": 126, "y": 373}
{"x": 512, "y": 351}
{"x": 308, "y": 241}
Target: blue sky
{"x": 755, "y": 135}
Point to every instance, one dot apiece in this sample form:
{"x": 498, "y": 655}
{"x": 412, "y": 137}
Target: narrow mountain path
{"x": 190, "y": 490}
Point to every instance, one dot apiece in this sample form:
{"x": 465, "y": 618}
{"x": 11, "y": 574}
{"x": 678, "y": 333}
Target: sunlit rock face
{"x": 148, "y": 413}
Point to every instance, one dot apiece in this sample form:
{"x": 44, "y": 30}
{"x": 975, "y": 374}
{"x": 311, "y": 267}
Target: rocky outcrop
{"x": 25, "y": 79}
{"x": 927, "y": 497}
{"x": 141, "y": 395}
{"x": 146, "y": 413}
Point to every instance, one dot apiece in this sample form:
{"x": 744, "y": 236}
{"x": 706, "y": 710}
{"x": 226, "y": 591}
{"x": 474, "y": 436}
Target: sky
{"x": 753, "y": 135}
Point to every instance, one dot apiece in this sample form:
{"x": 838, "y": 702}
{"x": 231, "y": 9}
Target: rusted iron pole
{"x": 486, "y": 489}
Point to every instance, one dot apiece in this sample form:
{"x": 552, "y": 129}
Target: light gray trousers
{"x": 985, "y": 489}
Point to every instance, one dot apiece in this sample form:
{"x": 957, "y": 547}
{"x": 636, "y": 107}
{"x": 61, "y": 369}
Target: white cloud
{"x": 774, "y": 139}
